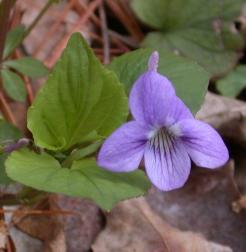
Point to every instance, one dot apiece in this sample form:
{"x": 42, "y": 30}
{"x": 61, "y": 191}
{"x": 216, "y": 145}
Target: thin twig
{"x": 39, "y": 212}
{"x": 16, "y": 17}
{"x": 104, "y": 29}
{"x": 54, "y": 27}
{"x": 95, "y": 36}
{"x": 5, "y": 9}
{"x": 61, "y": 45}
{"x": 118, "y": 43}
{"x": 5, "y": 109}
{"x": 82, "y": 7}
{"x": 10, "y": 246}
{"x": 6, "y": 6}
{"x": 39, "y": 16}
{"x": 132, "y": 19}
{"x": 30, "y": 94}
{"x": 125, "y": 19}
{"x": 124, "y": 39}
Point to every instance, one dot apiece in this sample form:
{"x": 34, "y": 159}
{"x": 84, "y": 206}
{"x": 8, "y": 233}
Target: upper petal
{"x": 204, "y": 145}
{"x": 176, "y": 111}
{"x": 168, "y": 167}
{"x": 153, "y": 101}
{"x": 123, "y": 150}
{"x": 149, "y": 97}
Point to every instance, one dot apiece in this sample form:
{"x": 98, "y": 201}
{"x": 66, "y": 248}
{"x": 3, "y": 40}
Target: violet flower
{"x": 164, "y": 132}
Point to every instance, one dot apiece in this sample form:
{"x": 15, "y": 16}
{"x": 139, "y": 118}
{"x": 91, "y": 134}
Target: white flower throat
{"x": 162, "y": 139}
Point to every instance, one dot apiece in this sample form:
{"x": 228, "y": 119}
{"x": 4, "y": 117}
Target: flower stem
{"x": 80, "y": 153}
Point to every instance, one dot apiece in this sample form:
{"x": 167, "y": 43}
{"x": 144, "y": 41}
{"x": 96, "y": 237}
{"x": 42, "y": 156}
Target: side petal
{"x": 149, "y": 97}
{"x": 204, "y": 145}
{"x": 123, "y": 150}
{"x": 168, "y": 168}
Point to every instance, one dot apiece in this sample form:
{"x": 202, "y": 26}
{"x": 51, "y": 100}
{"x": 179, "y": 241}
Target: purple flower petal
{"x": 204, "y": 145}
{"x": 153, "y": 61}
{"x": 153, "y": 100}
{"x": 123, "y": 150}
{"x": 167, "y": 165}
{"x": 176, "y": 111}
{"x": 150, "y": 97}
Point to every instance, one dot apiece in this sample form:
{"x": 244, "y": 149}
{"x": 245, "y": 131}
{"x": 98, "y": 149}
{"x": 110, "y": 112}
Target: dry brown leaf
{"x": 3, "y": 235}
{"x": 60, "y": 19}
{"x": 18, "y": 240}
{"x": 48, "y": 228}
{"x": 84, "y": 227}
{"x": 70, "y": 224}
{"x": 225, "y": 114}
{"x": 24, "y": 242}
{"x": 204, "y": 205}
{"x": 239, "y": 204}
{"x": 133, "y": 226}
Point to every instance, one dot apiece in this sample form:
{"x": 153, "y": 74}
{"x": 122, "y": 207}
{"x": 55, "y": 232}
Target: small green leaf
{"x": 199, "y": 29}
{"x": 13, "y": 85}
{"x": 84, "y": 179}
{"x": 4, "y": 179}
{"x": 28, "y": 66}
{"x": 233, "y": 83}
{"x": 8, "y": 131}
{"x": 189, "y": 79}
{"x": 81, "y": 99}
{"x": 13, "y": 39}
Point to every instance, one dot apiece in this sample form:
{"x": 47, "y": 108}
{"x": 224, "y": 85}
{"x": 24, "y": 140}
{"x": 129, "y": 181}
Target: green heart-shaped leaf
{"x": 232, "y": 84}
{"x": 199, "y": 29}
{"x": 189, "y": 79}
{"x": 81, "y": 98}
{"x": 85, "y": 179}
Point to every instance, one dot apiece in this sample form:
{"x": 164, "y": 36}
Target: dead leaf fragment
{"x": 47, "y": 228}
{"x": 133, "y": 226}
{"x": 204, "y": 205}
{"x": 3, "y": 235}
{"x": 80, "y": 230}
{"x": 239, "y": 204}
{"x": 225, "y": 114}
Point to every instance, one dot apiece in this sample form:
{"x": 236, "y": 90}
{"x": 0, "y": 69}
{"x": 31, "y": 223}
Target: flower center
{"x": 162, "y": 139}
